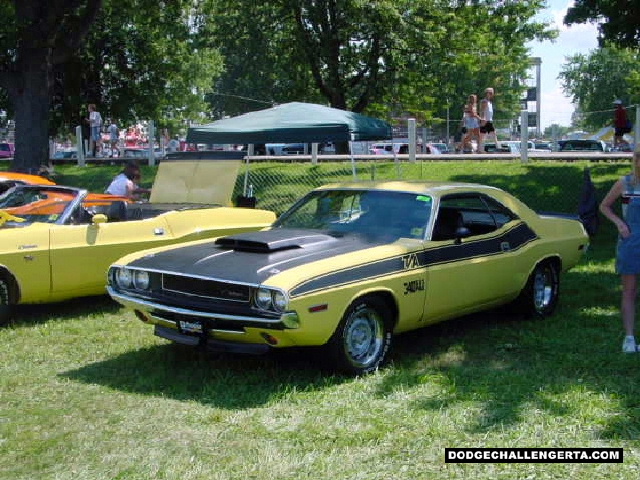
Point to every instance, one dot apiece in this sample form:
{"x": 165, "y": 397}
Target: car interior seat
{"x": 447, "y": 223}
{"x": 117, "y": 211}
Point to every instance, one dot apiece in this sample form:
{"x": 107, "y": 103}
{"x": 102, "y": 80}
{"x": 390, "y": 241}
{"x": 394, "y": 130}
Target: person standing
{"x": 621, "y": 125}
{"x": 173, "y": 145}
{"x": 471, "y": 123}
{"x": 486, "y": 119}
{"x": 114, "y": 137}
{"x": 95, "y": 122}
{"x": 627, "y": 189}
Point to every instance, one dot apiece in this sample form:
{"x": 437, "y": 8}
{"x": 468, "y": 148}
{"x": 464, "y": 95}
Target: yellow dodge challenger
{"x": 58, "y": 242}
{"x": 348, "y": 266}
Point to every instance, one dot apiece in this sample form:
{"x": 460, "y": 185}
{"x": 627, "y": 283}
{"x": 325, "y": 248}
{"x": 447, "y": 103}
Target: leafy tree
{"x": 386, "y": 58}
{"x": 136, "y": 59}
{"x": 143, "y": 60}
{"x": 619, "y": 20}
{"x": 595, "y": 80}
{"x": 38, "y": 35}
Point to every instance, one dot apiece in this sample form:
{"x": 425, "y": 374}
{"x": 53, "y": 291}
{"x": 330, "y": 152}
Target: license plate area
{"x": 191, "y": 327}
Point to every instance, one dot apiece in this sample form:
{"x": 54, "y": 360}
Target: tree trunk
{"x": 30, "y": 98}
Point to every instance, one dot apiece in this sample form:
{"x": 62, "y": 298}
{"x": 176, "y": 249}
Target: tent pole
{"x": 246, "y": 172}
{"x": 353, "y": 160}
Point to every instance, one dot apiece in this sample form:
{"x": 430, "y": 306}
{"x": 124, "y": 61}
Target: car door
{"x": 81, "y": 254}
{"x": 467, "y": 274}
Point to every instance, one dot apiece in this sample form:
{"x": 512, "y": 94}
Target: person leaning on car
{"x": 125, "y": 184}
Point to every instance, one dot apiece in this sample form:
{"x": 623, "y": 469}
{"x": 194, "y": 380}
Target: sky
{"x": 555, "y": 107}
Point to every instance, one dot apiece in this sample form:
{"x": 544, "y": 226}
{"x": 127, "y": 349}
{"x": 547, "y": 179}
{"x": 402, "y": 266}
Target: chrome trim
{"x": 199, "y": 277}
{"x": 215, "y": 330}
{"x": 254, "y": 286}
{"x": 146, "y": 306}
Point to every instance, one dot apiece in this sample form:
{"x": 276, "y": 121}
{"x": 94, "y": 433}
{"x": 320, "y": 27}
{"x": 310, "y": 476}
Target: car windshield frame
{"x": 370, "y": 212}
{"x": 41, "y": 203}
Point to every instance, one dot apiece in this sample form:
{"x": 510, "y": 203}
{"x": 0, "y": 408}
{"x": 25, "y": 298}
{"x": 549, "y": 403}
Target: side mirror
{"x": 461, "y": 232}
{"x": 99, "y": 218}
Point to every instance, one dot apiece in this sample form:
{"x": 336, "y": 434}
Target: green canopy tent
{"x": 293, "y": 122}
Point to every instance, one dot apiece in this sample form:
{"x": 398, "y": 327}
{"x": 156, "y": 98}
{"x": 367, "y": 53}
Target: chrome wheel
{"x": 362, "y": 340}
{"x": 363, "y": 336}
{"x": 544, "y": 288}
{"x": 540, "y": 294}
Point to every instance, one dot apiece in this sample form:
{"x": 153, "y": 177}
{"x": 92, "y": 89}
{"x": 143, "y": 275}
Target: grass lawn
{"x": 88, "y": 393}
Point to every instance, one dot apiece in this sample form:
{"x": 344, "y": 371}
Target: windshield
{"x": 36, "y": 204}
{"x": 375, "y": 213}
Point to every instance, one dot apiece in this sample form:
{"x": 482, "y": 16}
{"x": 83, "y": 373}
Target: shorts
{"x": 487, "y": 128}
{"x": 620, "y": 131}
{"x": 95, "y": 133}
{"x": 627, "y": 258}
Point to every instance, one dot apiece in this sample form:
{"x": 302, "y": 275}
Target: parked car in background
{"x": 531, "y": 145}
{"x": 581, "y": 145}
{"x": 7, "y": 150}
{"x": 384, "y": 149}
{"x": 505, "y": 147}
{"x": 543, "y": 146}
{"x": 140, "y": 153}
{"x": 400, "y": 148}
{"x": 350, "y": 265}
{"x": 442, "y": 147}
{"x": 294, "y": 149}
{"x": 57, "y": 242}
{"x": 65, "y": 154}
{"x": 11, "y": 179}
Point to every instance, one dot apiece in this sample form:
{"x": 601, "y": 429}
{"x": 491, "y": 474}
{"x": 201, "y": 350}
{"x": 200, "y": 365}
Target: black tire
{"x": 539, "y": 297}
{"x": 5, "y": 303}
{"x": 362, "y": 341}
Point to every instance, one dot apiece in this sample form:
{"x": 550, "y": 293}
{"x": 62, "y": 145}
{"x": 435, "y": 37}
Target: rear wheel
{"x": 362, "y": 340}
{"x": 540, "y": 295}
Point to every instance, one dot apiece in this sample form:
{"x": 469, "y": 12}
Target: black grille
{"x": 206, "y": 288}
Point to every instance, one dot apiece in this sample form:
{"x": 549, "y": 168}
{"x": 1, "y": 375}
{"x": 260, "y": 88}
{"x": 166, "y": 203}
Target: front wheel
{"x": 362, "y": 340}
{"x": 540, "y": 295}
{"x": 5, "y": 303}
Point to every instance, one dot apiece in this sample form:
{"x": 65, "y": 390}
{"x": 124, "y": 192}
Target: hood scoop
{"x": 272, "y": 240}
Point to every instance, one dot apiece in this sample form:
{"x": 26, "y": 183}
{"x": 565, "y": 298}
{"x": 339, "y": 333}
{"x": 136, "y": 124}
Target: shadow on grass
{"x": 28, "y": 315}
{"x": 512, "y": 368}
{"x": 222, "y": 380}
{"x": 568, "y": 366}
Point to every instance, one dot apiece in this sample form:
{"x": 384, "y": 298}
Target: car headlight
{"x": 124, "y": 278}
{"x": 141, "y": 280}
{"x": 263, "y": 298}
{"x": 271, "y": 299}
{"x": 279, "y": 301}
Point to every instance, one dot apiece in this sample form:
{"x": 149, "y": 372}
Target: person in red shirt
{"x": 621, "y": 125}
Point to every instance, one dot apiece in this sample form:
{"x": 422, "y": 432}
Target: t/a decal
{"x": 410, "y": 261}
{"x": 413, "y": 286}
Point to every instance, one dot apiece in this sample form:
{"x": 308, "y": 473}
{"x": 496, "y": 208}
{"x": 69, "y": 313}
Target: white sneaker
{"x": 629, "y": 345}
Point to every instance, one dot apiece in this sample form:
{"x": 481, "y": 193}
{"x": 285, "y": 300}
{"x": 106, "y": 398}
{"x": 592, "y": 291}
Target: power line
{"x": 272, "y": 103}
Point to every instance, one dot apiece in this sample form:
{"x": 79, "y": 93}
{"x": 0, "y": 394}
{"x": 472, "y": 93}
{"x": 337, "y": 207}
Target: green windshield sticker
{"x": 423, "y": 198}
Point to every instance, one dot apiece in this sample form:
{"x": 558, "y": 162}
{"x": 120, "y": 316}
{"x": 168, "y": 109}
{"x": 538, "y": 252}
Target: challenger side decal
{"x": 413, "y": 286}
{"x": 517, "y": 237}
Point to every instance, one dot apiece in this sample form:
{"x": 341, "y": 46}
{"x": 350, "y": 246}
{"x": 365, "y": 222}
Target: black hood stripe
{"x": 511, "y": 240}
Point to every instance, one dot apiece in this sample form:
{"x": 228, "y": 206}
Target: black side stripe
{"x": 511, "y": 240}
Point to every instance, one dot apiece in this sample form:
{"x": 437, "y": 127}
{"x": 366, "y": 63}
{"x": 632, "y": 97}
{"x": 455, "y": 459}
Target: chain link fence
{"x": 543, "y": 185}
